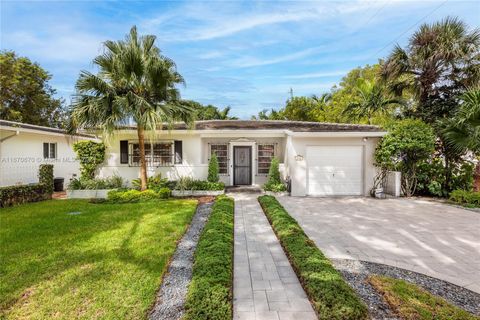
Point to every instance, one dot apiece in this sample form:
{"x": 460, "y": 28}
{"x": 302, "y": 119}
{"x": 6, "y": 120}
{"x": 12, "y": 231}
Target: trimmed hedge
{"x": 466, "y": 198}
{"x": 132, "y": 195}
{"x": 13, "y": 195}
{"x": 190, "y": 184}
{"x": 331, "y": 296}
{"x": 45, "y": 176}
{"x": 210, "y": 291}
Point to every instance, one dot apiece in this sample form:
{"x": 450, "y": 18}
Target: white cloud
{"x": 316, "y": 75}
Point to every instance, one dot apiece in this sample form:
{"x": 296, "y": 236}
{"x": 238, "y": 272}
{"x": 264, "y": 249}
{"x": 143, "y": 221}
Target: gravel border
{"x": 173, "y": 291}
{"x": 356, "y": 272}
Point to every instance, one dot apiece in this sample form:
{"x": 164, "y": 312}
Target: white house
{"x": 23, "y": 147}
{"x": 319, "y": 159}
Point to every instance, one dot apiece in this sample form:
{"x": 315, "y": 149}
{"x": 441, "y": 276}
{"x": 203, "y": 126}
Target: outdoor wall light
{"x": 365, "y": 139}
{"x": 298, "y": 157}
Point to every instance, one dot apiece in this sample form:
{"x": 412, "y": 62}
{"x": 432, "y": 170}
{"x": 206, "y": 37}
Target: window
{"x": 158, "y": 154}
{"x": 265, "y": 154}
{"x": 49, "y": 150}
{"x": 221, "y": 150}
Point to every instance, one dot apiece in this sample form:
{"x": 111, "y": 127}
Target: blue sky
{"x": 246, "y": 55}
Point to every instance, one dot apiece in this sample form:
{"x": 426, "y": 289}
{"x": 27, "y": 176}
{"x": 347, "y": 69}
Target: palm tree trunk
{"x": 143, "y": 163}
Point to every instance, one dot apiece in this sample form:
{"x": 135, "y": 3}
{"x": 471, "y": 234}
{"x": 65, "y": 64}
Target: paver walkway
{"x": 427, "y": 237}
{"x": 265, "y": 285}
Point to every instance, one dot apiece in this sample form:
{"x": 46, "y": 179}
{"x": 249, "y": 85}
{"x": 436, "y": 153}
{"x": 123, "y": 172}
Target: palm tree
{"x": 134, "y": 83}
{"x": 440, "y": 61}
{"x": 462, "y": 132}
{"x": 373, "y": 100}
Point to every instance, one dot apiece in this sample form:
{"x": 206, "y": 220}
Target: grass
{"x": 210, "y": 291}
{"x": 106, "y": 262}
{"x": 331, "y": 296}
{"x": 412, "y": 302}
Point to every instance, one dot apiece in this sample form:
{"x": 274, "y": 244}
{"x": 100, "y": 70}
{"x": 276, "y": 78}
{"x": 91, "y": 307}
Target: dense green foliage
{"x": 135, "y": 83}
{"x": 13, "y": 195}
{"x": 45, "y": 177}
{"x": 274, "y": 182}
{"x": 105, "y": 262}
{"x": 155, "y": 182}
{"x": 208, "y": 112}
{"x": 213, "y": 169}
{"x": 132, "y": 195}
{"x": 25, "y": 94}
{"x": 209, "y": 294}
{"x": 97, "y": 183}
{"x": 90, "y": 154}
{"x": 407, "y": 143}
{"x": 410, "y": 301}
{"x": 187, "y": 183}
{"x": 331, "y": 296}
{"x": 466, "y": 198}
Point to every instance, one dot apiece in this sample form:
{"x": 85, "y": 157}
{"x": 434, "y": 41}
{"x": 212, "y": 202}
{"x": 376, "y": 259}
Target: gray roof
{"x": 296, "y": 126}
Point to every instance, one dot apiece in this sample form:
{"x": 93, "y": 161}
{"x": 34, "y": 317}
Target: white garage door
{"x": 334, "y": 170}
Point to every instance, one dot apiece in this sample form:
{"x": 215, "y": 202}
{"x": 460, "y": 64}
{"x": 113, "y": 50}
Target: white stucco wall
{"x": 21, "y": 155}
{"x": 297, "y": 170}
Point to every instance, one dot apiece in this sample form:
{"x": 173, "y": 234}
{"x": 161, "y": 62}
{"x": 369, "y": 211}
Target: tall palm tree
{"x": 440, "y": 61}
{"x": 462, "y": 132}
{"x": 373, "y": 100}
{"x": 134, "y": 83}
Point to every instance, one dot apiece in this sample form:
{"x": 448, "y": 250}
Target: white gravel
{"x": 172, "y": 294}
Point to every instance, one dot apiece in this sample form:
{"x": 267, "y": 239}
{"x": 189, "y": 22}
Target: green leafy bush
{"x": 213, "y": 169}
{"x": 13, "y": 195}
{"x": 164, "y": 193}
{"x": 464, "y": 197}
{"x": 90, "y": 154}
{"x": 274, "y": 182}
{"x": 45, "y": 176}
{"x": 187, "y": 183}
{"x": 210, "y": 291}
{"x": 112, "y": 182}
{"x": 132, "y": 195}
{"x": 331, "y": 296}
{"x": 155, "y": 182}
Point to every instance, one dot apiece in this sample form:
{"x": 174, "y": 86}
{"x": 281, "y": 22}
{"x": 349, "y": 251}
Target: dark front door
{"x": 242, "y": 165}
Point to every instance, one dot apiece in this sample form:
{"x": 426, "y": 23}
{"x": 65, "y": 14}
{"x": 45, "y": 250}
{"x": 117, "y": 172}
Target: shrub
{"x": 45, "y": 177}
{"x": 464, "y": 197}
{"x": 213, "y": 169}
{"x": 331, "y": 296}
{"x": 210, "y": 291}
{"x": 112, "y": 182}
{"x": 13, "y": 195}
{"x": 164, "y": 193}
{"x": 90, "y": 154}
{"x": 407, "y": 143}
{"x": 155, "y": 182}
{"x": 274, "y": 183}
{"x": 132, "y": 195}
{"x": 187, "y": 183}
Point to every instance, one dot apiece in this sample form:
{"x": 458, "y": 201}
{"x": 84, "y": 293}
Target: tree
{"x": 209, "y": 112}
{"x": 90, "y": 154}
{"x": 407, "y": 143}
{"x": 25, "y": 93}
{"x": 374, "y": 100}
{"x": 462, "y": 132}
{"x": 213, "y": 169}
{"x": 440, "y": 61}
{"x": 274, "y": 182}
{"x": 134, "y": 83}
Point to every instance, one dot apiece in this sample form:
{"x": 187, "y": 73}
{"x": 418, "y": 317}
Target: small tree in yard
{"x": 274, "y": 183}
{"x": 90, "y": 154}
{"x": 407, "y": 143}
{"x": 213, "y": 169}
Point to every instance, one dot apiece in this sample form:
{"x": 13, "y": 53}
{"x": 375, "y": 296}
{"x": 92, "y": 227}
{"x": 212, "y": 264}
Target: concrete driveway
{"x": 423, "y": 236}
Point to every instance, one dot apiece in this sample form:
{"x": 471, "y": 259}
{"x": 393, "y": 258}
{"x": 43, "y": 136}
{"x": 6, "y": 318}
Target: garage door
{"x": 334, "y": 170}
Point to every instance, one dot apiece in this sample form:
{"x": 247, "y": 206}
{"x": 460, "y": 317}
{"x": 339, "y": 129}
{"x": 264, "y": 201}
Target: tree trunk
{"x": 143, "y": 163}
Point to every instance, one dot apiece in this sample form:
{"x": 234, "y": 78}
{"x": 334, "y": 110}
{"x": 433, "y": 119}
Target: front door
{"x": 242, "y": 165}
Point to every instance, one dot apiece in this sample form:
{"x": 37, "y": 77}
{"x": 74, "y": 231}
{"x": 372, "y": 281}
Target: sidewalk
{"x": 265, "y": 285}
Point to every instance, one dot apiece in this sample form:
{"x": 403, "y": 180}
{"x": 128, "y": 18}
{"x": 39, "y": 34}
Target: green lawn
{"x": 106, "y": 262}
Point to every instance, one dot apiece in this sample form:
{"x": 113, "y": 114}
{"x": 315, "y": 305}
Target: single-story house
{"x": 23, "y": 147}
{"x": 320, "y": 159}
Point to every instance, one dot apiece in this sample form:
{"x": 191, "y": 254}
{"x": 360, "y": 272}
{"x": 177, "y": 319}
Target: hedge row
{"x": 331, "y": 296}
{"x": 210, "y": 291}
{"x": 13, "y": 195}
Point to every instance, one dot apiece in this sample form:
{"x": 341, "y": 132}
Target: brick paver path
{"x": 265, "y": 285}
{"x": 423, "y": 236}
